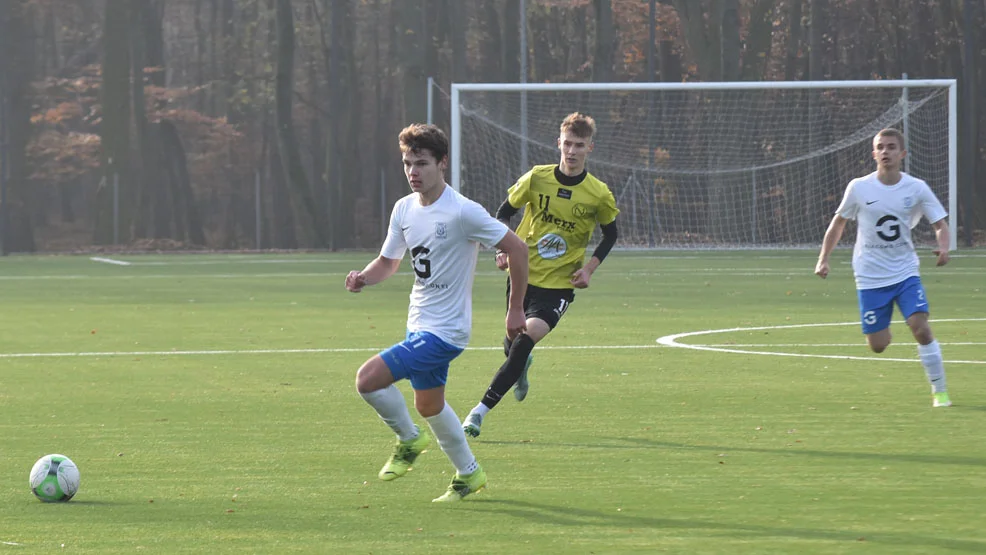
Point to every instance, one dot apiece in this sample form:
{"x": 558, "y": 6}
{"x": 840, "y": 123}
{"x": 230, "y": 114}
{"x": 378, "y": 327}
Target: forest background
{"x": 188, "y": 108}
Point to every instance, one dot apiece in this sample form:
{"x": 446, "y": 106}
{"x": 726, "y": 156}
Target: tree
{"x": 602, "y": 60}
{"x": 412, "y": 32}
{"x": 111, "y": 225}
{"x": 16, "y": 66}
{"x": 314, "y": 224}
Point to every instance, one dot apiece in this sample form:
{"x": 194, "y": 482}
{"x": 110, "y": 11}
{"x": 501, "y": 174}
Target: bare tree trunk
{"x": 791, "y": 62}
{"x": 115, "y": 127}
{"x": 412, "y": 36}
{"x": 314, "y": 224}
{"x": 602, "y": 60}
{"x": 703, "y": 42}
{"x": 188, "y": 222}
{"x": 973, "y": 212}
{"x": 511, "y": 41}
{"x": 152, "y": 207}
{"x": 730, "y": 46}
{"x": 758, "y": 40}
{"x": 457, "y": 40}
{"x": 17, "y": 45}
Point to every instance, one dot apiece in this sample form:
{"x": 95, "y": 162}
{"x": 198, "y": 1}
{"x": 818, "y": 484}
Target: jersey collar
{"x": 570, "y": 180}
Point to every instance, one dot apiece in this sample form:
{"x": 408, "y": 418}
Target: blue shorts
{"x": 422, "y": 358}
{"x": 876, "y": 306}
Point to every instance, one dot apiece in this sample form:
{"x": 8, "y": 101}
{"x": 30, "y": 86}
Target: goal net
{"x": 710, "y": 165}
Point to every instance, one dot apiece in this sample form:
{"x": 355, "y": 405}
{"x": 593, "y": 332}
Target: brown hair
{"x": 419, "y": 136}
{"x": 579, "y": 124}
{"x": 891, "y": 132}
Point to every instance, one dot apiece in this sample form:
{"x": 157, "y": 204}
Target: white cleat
{"x": 472, "y": 423}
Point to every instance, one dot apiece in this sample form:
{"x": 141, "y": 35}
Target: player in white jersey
{"x": 886, "y": 204}
{"x": 443, "y": 230}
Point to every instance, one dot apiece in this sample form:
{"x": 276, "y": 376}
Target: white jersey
{"x": 885, "y": 214}
{"x": 444, "y": 239}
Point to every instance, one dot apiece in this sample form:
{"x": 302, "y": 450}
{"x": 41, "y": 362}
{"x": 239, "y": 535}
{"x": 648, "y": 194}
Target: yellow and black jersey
{"x": 561, "y": 212}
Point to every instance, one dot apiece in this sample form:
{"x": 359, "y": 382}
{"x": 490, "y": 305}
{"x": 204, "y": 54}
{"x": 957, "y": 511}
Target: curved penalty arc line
{"x": 672, "y": 341}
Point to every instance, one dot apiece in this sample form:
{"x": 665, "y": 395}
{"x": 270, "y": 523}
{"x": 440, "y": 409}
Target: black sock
{"x": 510, "y": 372}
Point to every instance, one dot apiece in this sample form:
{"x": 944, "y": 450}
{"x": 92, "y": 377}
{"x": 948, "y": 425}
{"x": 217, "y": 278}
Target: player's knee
{"x": 363, "y": 382}
{"x": 923, "y": 335}
{"x": 370, "y": 378}
{"x": 428, "y": 407}
{"x": 878, "y": 344}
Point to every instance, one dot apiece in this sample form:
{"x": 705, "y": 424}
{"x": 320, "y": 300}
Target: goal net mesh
{"x": 693, "y": 168}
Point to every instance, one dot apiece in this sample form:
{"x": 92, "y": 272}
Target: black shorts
{"x": 545, "y": 304}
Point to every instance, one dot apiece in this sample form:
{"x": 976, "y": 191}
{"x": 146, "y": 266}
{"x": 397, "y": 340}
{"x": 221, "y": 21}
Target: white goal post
{"x": 711, "y": 165}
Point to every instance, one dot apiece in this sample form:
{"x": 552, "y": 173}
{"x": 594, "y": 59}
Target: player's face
{"x": 888, "y": 153}
{"x": 574, "y": 150}
{"x": 423, "y": 172}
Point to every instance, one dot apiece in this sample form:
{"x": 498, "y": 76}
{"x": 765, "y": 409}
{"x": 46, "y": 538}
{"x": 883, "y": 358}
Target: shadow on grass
{"x": 578, "y": 517}
{"x": 637, "y": 442}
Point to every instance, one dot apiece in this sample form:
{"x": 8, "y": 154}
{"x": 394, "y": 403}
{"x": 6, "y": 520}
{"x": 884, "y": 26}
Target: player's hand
{"x": 942, "y": 256}
{"x": 501, "y": 260}
{"x": 516, "y": 323}
{"x": 822, "y": 269}
{"x": 355, "y": 281}
{"x": 580, "y": 278}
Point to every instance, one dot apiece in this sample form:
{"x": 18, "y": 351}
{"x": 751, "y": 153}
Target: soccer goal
{"x": 711, "y": 165}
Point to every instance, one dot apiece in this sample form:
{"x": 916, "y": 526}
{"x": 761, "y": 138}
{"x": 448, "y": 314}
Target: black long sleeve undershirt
{"x": 610, "y": 233}
{"x": 505, "y": 212}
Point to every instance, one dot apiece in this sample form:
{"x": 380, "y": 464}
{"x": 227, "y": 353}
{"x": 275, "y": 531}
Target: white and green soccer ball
{"x": 54, "y": 478}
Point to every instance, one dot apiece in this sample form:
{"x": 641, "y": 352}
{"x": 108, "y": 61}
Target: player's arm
{"x": 581, "y": 277}
{"x": 379, "y": 269}
{"x": 943, "y": 239}
{"x": 504, "y": 213}
{"x": 515, "y": 250}
{"x": 832, "y": 236}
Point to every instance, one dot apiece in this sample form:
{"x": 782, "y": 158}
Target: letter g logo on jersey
{"x": 552, "y": 246}
{"x": 888, "y": 228}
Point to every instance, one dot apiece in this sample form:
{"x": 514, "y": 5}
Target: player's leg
{"x": 518, "y": 361}
{"x": 875, "y": 309}
{"x": 544, "y": 309}
{"x": 428, "y": 377}
{"x": 914, "y": 306}
{"x": 469, "y": 475}
{"x": 375, "y": 383}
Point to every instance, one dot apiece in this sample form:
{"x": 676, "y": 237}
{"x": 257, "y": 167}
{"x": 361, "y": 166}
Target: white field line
{"x": 746, "y": 345}
{"x": 234, "y": 262}
{"x": 109, "y": 261}
{"x": 717, "y": 272}
{"x": 672, "y": 341}
{"x": 288, "y": 351}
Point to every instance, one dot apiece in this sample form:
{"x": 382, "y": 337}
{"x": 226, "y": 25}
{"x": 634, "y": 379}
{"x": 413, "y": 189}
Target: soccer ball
{"x": 54, "y": 478}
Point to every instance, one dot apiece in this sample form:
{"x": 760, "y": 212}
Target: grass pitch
{"x": 209, "y": 403}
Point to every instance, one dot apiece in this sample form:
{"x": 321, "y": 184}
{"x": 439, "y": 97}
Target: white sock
{"x": 481, "y": 409}
{"x": 934, "y": 366}
{"x": 390, "y": 405}
{"x": 452, "y": 440}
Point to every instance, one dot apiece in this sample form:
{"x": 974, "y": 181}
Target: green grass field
{"x": 209, "y": 403}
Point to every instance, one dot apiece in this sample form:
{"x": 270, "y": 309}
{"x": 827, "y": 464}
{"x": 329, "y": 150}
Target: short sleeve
{"x": 849, "y": 207}
{"x": 479, "y": 226}
{"x": 607, "y": 211}
{"x": 931, "y": 207}
{"x": 394, "y": 245}
{"x": 519, "y": 193}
